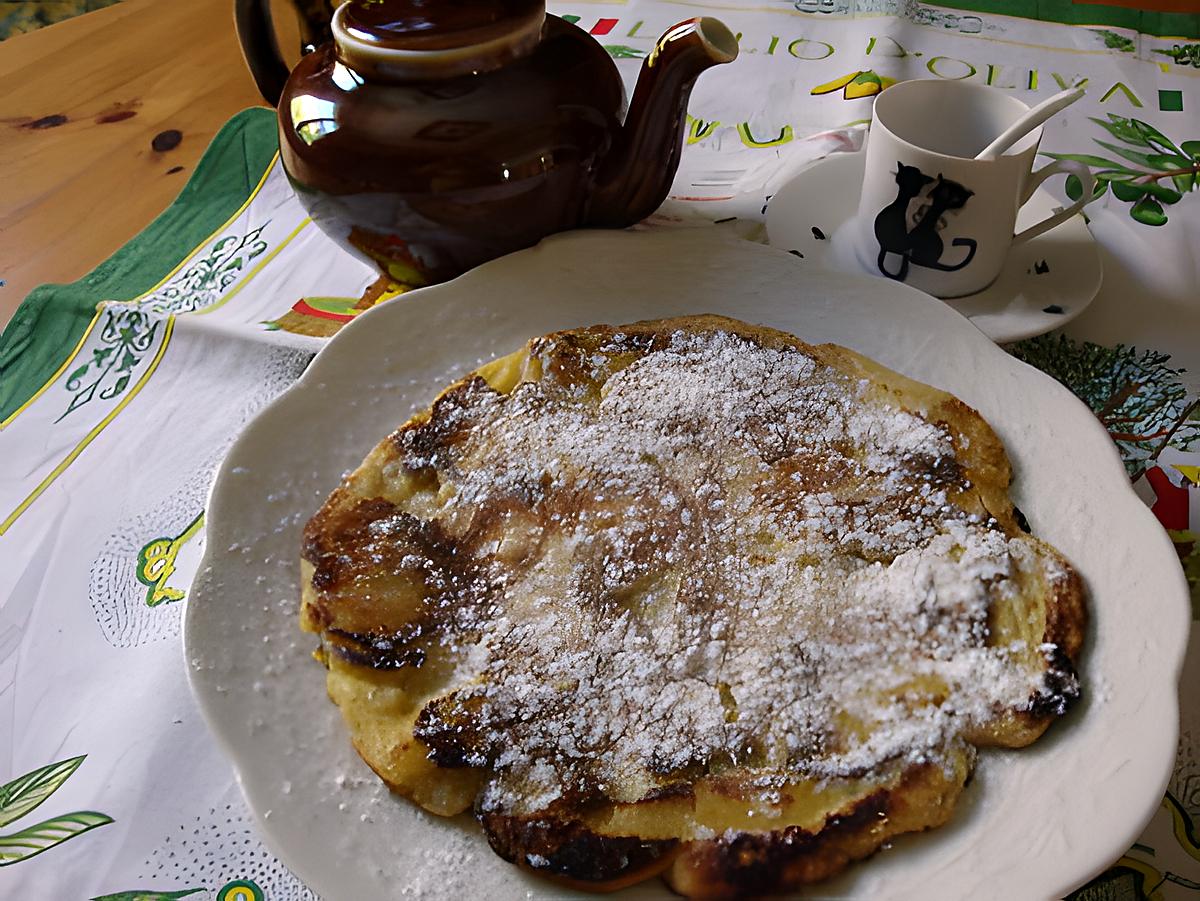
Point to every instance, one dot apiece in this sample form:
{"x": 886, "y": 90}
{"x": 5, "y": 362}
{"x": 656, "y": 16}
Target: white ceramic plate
{"x": 1033, "y": 824}
{"x": 1045, "y": 282}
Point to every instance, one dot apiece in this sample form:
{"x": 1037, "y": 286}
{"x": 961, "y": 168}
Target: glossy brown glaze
{"x": 655, "y": 124}
{"x": 314, "y": 22}
{"x": 435, "y": 24}
{"x": 430, "y": 176}
{"x": 256, "y": 33}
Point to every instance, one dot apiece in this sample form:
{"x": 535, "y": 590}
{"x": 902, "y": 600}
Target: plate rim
{"x": 217, "y": 522}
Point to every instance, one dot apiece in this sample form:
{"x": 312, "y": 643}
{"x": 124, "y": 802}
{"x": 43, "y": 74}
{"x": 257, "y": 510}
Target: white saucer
{"x": 1058, "y": 271}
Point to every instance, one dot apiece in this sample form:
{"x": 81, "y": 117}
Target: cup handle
{"x": 1065, "y": 167}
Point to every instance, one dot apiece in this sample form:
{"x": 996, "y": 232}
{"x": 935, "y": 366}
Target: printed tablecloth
{"x": 120, "y": 393}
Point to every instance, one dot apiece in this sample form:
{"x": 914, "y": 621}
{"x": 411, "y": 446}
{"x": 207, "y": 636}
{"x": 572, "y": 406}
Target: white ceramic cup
{"x": 932, "y": 216}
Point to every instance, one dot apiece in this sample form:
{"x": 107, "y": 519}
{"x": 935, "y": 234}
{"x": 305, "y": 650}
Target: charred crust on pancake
{"x": 449, "y": 421}
{"x": 742, "y": 864}
{"x": 1060, "y": 686}
{"x": 940, "y": 470}
{"x": 375, "y": 650}
{"x": 511, "y": 524}
{"x": 1066, "y": 618}
{"x": 338, "y": 537}
{"x": 681, "y": 789}
{"x": 340, "y": 522}
{"x": 760, "y": 863}
{"x": 567, "y": 849}
{"x": 1066, "y": 611}
{"x": 447, "y": 726}
{"x": 349, "y": 544}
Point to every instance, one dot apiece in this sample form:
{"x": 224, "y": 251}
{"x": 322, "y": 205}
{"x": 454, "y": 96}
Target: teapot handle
{"x": 260, "y": 47}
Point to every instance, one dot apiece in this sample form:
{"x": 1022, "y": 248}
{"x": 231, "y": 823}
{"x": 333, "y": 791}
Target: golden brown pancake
{"x": 688, "y": 597}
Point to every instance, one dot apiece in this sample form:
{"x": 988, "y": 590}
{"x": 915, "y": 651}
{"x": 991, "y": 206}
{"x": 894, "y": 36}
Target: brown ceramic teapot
{"x": 432, "y": 135}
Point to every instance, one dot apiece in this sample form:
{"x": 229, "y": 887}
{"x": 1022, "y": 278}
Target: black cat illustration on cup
{"x": 921, "y": 245}
{"x": 935, "y": 214}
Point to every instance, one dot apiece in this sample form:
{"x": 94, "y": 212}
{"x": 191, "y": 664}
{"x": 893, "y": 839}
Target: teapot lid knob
{"x": 434, "y": 38}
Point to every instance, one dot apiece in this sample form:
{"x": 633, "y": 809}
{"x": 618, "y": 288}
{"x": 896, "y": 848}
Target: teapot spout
{"x": 637, "y": 172}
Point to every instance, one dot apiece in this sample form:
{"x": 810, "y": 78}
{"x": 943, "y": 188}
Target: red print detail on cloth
{"x": 306, "y": 309}
{"x": 1171, "y": 506}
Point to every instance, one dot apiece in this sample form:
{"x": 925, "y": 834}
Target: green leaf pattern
{"x": 1162, "y": 173}
{"x": 622, "y": 51}
{"x": 1154, "y": 137}
{"x": 1114, "y": 41}
{"x": 1133, "y": 156}
{"x": 1184, "y": 54}
{"x": 202, "y": 282}
{"x": 33, "y": 841}
{"x": 1148, "y": 211}
{"x": 147, "y": 895}
{"x": 129, "y": 327}
{"x": 1122, "y": 130}
{"x": 22, "y": 795}
{"x": 126, "y": 335}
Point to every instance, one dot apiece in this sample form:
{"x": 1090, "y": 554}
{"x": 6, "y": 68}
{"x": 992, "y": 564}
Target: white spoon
{"x": 1029, "y": 122}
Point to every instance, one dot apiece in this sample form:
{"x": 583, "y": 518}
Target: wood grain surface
{"x": 81, "y": 105}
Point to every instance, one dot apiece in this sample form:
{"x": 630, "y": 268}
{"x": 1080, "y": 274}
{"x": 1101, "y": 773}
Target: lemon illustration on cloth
{"x": 863, "y": 83}
{"x": 240, "y": 890}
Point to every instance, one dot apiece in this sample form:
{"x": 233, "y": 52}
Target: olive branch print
{"x": 1114, "y": 41}
{"x": 148, "y": 895}
{"x": 1184, "y": 55}
{"x": 1136, "y": 395}
{"x": 22, "y": 795}
{"x": 1153, "y": 172}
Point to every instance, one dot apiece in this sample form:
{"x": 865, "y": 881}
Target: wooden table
{"x": 81, "y": 104}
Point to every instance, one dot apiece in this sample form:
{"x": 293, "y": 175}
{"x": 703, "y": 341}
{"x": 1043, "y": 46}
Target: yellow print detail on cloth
{"x": 148, "y": 560}
{"x": 855, "y": 59}
{"x": 147, "y": 895}
{"x": 1170, "y": 869}
{"x": 156, "y": 564}
{"x": 241, "y": 890}
{"x": 323, "y": 317}
{"x": 156, "y": 529}
{"x": 860, "y": 83}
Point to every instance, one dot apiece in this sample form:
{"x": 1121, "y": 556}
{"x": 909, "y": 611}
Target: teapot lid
{"x": 434, "y": 38}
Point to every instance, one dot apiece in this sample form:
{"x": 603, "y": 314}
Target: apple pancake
{"x": 688, "y": 597}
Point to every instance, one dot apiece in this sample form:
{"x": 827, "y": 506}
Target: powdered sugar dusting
{"x": 701, "y": 554}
